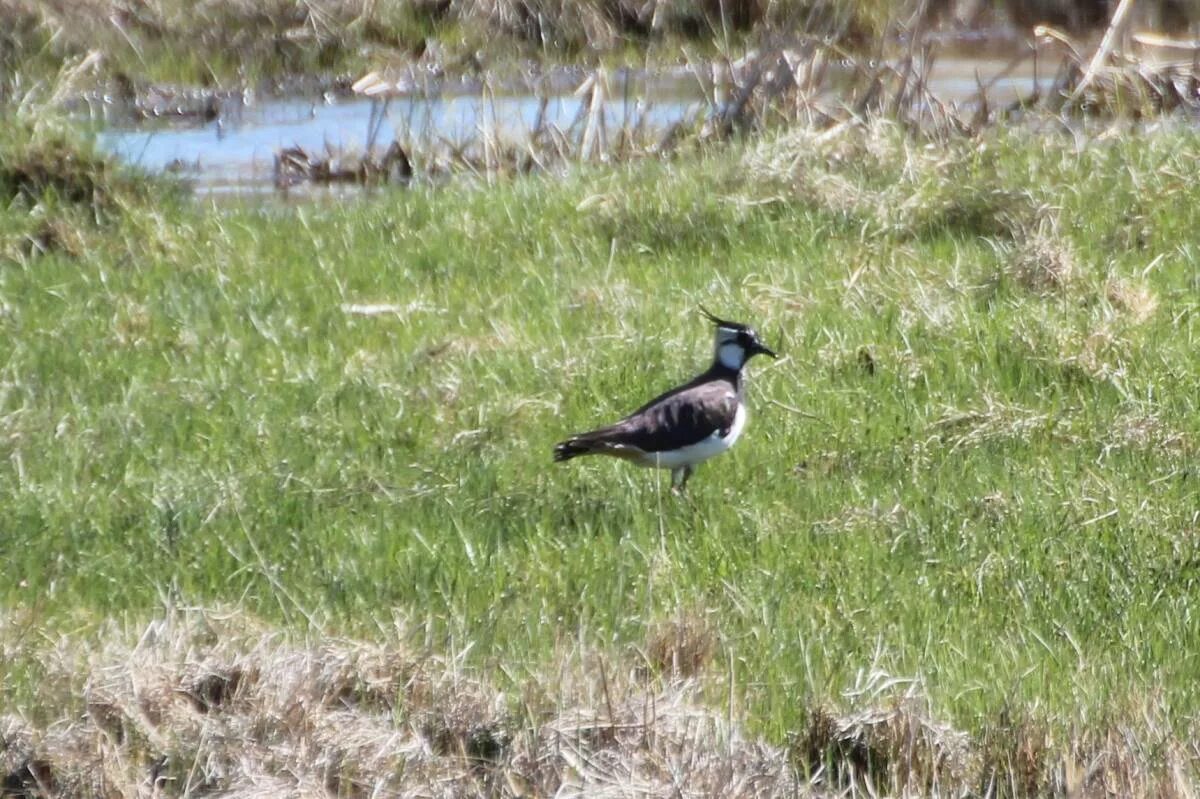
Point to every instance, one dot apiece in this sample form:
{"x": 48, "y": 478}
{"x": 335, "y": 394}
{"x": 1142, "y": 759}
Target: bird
{"x": 687, "y": 425}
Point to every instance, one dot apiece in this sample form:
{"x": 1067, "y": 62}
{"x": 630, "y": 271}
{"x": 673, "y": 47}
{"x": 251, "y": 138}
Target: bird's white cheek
{"x": 732, "y": 356}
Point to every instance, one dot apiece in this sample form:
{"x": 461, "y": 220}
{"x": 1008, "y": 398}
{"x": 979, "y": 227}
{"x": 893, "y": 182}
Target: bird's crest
{"x": 719, "y": 322}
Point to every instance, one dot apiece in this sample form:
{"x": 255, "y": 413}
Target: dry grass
{"x": 210, "y": 702}
{"x": 994, "y": 421}
{"x": 1133, "y": 298}
{"x": 603, "y": 24}
{"x": 1039, "y": 259}
{"x": 887, "y": 743}
{"x": 818, "y": 85}
{"x": 682, "y": 647}
{"x": 1138, "y": 430}
{"x": 1121, "y": 79}
{"x": 217, "y": 41}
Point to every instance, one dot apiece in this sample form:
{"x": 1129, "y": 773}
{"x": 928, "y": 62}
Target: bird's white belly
{"x": 701, "y": 450}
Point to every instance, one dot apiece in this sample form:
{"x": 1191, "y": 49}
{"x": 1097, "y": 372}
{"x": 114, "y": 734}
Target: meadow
{"x": 967, "y": 496}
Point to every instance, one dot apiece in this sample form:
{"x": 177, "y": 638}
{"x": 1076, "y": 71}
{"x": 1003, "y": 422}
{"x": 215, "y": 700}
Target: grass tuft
{"x": 1132, "y": 298}
{"x": 681, "y": 648}
{"x": 46, "y": 163}
{"x": 1039, "y": 259}
{"x": 58, "y": 192}
{"x": 896, "y": 747}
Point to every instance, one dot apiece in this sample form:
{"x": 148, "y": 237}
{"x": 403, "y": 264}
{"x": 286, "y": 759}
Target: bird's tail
{"x": 572, "y": 448}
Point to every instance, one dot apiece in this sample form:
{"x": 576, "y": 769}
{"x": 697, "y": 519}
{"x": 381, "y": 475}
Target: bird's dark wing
{"x": 678, "y": 418}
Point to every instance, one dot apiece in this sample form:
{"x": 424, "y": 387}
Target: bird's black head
{"x": 736, "y": 343}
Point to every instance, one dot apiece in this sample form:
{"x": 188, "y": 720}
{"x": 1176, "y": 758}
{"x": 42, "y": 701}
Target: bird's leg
{"x": 687, "y": 475}
{"x": 679, "y": 478}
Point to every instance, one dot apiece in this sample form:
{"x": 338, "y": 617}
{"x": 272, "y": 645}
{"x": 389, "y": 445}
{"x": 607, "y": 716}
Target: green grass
{"x": 1003, "y": 505}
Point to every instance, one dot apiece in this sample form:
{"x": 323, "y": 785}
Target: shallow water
{"x": 235, "y": 152}
{"x": 957, "y": 79}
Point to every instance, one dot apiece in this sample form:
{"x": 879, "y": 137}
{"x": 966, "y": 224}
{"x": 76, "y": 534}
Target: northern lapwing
{"x": 686, "y": 425}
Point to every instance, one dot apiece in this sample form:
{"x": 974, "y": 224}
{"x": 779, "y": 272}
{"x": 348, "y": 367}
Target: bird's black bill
{"x": 765, "y": 350}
